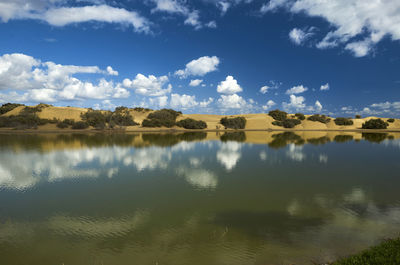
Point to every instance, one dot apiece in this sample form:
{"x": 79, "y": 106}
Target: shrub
{"x": 234, "y": 123}
{"x": 121, "y": 117}
{"x": 300, "y": 116}
{"x": 95, "y": 118}
{"x": 62, "y": 125}
{"x": 375, "y": 124}
{"x": 277, "y": 115}
{"x": 8, "y": 107}
{"x": 142, "y": 109}
{"x": 358, "y": 116}
{"x": 191, "y": 124}
{"x": 160, "y": 118}
{"x": 390, "y": 120}
{"x": 25, "y": 120}
{"x": 80, "y": 125}
{"x": 287, "y": 123}
{"x": 319, "y": 118}
{"x": 343, "y": 121}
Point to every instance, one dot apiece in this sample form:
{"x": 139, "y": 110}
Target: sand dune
{"x": 260, "y": 121}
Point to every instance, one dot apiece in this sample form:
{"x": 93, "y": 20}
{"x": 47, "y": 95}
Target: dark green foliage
{"x": 80, "y": 125}
{"x": 26, "y": 119}
{"x": 343, "y": 121}
{"x": 234, "y": 123}
{"x": 343, "y": 138}
{"x": 161, "y": 118}
{"x": 158, "y": 123}
{"x": 191, "y": 124}
{"x": 121, "y": 117}
{"x": 319, "y": 141}
{"x": 278, "y": 115}
{"x": 375, "y": 124}
{"x": 300, "y": 116}
{"x": 390, "y": 120}
{"x": 8, "y": 107}
{"x": 62, "y": 125}
{"x": 142, "y": 109}
{"x": 386, "y": 253}
{"x": 171, "y": 139}
{"x": 375, "y": 137}
{"x": 358, "y": 116}
{"x": 96, "y": 118}
{"x": 233, "y": 136}
{"x": 283, "y": 139}
{"x": 287, "y": 123}
{"x": 319, "y": 118}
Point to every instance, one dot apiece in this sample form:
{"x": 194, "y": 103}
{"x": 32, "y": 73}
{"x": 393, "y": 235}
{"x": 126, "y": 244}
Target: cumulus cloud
{"x": 232, "y": 102}
{"x": 149, "y": 85}
{"x": 318, "y": 106}
{"x": 178, "y": 7}
{"x": 48, "y": 81}
{"x": 299, "y": 36}
{"x": 188, "y": 101}
{"x": 229, "y": 86}
{"x": 296, "y": 102}
{"x": 296, "y": 90}
{"x": 359, "y": 24}
{"x": 199, "y": 67}
{"x": 56, "y": 15}
{"x": 269, "y": 105}
{"x": 324, "y": 87}
{"x": 264, "y": 89}
{"x": 195, "y": 82}
{"x": 111, "y": 71}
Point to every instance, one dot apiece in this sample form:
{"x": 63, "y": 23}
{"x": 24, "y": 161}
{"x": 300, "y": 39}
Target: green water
{"x": 195, "y": 198}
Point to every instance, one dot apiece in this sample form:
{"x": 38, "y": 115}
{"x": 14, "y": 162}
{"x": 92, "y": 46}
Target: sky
{"x": 336, "y": 57}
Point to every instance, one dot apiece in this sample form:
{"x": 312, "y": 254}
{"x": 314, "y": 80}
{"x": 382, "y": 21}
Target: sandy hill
{"x": 261, "y": 121}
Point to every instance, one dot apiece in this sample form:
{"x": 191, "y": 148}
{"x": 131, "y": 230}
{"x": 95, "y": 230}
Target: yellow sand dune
{"x": 261, "y": 121}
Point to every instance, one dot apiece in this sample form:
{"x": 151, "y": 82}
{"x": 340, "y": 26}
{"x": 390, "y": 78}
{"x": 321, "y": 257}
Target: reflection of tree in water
{"x": 343, "y": 138}
{"x": 171, "y": 139}
{"x": 233, "y": 136}
{"x": 374, "y": 137}
{"x": 319, "y": 141}
{"x": 283, "y": 139}
{"x": 38, "y": 141}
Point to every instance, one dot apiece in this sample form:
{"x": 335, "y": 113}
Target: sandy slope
{"x": 259, "y": 121}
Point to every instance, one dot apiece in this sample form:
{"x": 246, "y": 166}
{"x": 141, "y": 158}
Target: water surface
{"x": 196, "y": 198}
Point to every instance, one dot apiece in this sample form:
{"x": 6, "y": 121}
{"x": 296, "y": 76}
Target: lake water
{"x": 196, "y": 198}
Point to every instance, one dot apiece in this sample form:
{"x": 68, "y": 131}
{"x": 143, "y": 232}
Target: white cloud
{"x": 195, "y": 82}
{"x": 212, "y": 24}
{"x": 299, "y": 36}
{"x": 264, "y": 89}
{"x": 318, "y": 106}
{"x": 159, "y": 102}
{"x": 229, "y": 154}
{"x": 232, "y": 102}
{"x": 229, "y": 86}
{"x": 296, "y": 90}
{"x": 149, "y": 85}
{"x": 46, "y": 10}
{"x": 224, "y": 6}
{"x": 199, "y": 67}
{"x": 296, "y": 103}
{"x": 111, "y": 71}
{"x": 367, "y": 20}
{"x": 324, "y": 87}
{"x": 48, "y": 81}
{"x": 183, "y": 101}
{"x": 178, "y": 7}
{"x": 269, "y": 104}
{"x": 188, "y": 101}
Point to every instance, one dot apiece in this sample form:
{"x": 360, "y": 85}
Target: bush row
{"x": 343, "y": 121}
{"x": 233, "y": 123}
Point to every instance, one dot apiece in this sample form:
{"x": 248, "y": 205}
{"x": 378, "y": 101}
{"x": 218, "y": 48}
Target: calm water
{"x": 196, "y": 198}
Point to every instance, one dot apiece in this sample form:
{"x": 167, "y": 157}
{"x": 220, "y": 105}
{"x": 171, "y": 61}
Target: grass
{"x": 386, "y": 253}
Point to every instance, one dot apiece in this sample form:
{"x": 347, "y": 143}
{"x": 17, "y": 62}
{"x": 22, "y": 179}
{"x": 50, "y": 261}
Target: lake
{"x": 196, "y": 198}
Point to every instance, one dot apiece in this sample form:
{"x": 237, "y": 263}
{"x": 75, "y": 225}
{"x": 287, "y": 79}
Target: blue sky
{"x": 338, "y": 57}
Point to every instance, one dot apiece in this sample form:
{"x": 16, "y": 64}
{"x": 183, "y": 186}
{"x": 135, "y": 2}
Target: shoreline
{"x": 168, "y": 130}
